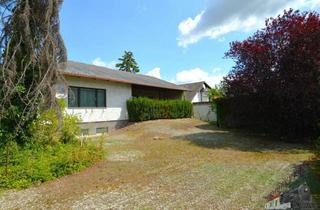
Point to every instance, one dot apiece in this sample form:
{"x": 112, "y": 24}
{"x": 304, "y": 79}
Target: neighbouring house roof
{"x": 83, "y": 70}
{"x": 194, "y": 88}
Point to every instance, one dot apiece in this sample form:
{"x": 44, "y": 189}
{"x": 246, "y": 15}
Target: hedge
{"x": 244, "y": 112}
{"x": 142, "y": 109}
{"x": 266, "y": 115}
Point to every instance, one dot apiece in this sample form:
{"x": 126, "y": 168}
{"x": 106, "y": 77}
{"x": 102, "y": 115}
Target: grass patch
{"x": 29, "y": 166}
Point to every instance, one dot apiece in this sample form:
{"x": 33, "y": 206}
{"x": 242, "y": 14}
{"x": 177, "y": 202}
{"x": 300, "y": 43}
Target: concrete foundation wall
{"x": 94, "y": 128}
{"x": 203, "y": 111}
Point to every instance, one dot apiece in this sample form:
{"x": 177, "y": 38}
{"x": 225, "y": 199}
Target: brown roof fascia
{"x": 114, "y": 80}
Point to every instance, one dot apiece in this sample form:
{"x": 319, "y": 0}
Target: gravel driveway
{"x": 170, "y": 164}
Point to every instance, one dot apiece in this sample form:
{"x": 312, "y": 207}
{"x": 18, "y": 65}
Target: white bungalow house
{"x": 198, "y": 94}
{"x": 98, "y": 95}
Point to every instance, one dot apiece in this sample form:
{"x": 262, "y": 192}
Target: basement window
{"x": 86, "y": 97}
{"x": 84, "y": 132}
{"x": 102, "y": 130}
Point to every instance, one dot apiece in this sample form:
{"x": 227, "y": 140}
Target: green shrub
{"x": 142, "y": 109}
{"x": 30, "y": 165}
{"x": 52, "y": 150}
{"x": 246, "y": 112}
{"x": 47, "y": 129}
{"x": 221, "y": 111}
{"x": 70, "y": 128}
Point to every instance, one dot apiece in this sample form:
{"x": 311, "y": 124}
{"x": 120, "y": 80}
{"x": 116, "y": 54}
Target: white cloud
{"x": 197, "y": 75}
{"x": 99, "y": 62}
{"x": 154, "y": 73}
{"x": 222, "y": 17}
{"x": 189, "y": 24}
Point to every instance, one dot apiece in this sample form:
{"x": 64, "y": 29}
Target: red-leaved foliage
{"x": 280, "y": 65}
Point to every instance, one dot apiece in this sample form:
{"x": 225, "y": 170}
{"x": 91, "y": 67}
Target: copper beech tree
{"x": 279, "y": 66}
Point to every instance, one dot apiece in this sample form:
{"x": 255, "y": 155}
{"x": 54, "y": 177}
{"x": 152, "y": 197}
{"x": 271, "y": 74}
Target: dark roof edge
{"x": 120, "y": 81}
{"x": 203, "y": 82}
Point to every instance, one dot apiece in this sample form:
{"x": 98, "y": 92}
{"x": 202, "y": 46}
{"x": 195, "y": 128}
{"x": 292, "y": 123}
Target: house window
{"x": 102, "y": 130}
{"x": 86, "y": 97}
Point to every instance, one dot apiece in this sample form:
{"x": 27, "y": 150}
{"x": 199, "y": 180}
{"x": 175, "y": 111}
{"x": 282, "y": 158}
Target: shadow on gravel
{"x": 216, "y": 138}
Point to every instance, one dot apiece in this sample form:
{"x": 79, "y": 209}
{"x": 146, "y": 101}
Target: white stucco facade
{"x": 117, "y": 95}
{"x": 196, "y": 98}
{"x": 201, "y": 96}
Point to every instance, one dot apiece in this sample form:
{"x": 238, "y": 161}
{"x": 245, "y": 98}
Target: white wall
{"x": 197, "y": 97}
{"x": 203, "y": 111}
{"x": 117, "y": 96}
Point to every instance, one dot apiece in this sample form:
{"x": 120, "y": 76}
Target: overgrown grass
{"x": 31, "y": 165}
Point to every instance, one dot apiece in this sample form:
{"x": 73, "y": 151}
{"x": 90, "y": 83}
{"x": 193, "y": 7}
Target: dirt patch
{"x": 125, "y": 156}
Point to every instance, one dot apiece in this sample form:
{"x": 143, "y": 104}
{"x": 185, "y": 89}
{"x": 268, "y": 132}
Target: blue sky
{"x": 182, "y": 40}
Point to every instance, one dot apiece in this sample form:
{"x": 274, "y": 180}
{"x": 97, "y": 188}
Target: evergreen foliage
{"x": 142, "y": 109}
{"x": 128, "y": 63}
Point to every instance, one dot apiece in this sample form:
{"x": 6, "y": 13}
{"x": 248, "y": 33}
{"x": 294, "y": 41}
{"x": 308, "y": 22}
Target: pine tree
{"x": 128, "y": 63}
